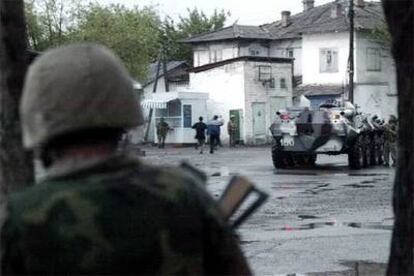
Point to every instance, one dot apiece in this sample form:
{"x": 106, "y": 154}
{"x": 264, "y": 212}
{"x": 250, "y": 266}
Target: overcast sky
{"x": 247, "y": 12}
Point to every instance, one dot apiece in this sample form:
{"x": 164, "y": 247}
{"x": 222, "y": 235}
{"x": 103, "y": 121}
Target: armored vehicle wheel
{"x": 278, "y": 156}
{"x": 312, "y": 159}
{"x": 300, "y": 159}
{"x": 290, "y": 159}
{"x": 307, "y": 159}
{"x": 356, "y": 154}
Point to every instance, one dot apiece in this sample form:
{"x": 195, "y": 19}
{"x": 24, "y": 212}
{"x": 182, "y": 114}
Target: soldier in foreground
{"x": 96, "y": 211}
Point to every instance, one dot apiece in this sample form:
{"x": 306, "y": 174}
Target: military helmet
{"x": 392, "y": 119}
{"x": 74, "y": 88}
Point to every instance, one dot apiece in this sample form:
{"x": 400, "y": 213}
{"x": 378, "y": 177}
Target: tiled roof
{"x": 242, "y": 58}
{"x": 318, "y": 90}
{"x": 315, "y": 20}
{"x": 233, "y": 32}
{"x": 152, "y": 70}
{"x": 319, "y": 20}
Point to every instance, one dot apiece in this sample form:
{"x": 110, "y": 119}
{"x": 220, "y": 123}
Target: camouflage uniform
{"x": 231, "y": 130}
{"x": 117, "y": 216}
{"x": 390, "y": 143}
{"x": 162, "y": 130}
{"x": 105, "y": 213}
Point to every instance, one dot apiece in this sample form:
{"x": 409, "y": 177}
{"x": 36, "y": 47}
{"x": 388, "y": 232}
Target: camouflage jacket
{"x": 390, "y": 132}
{"x": 162, "y": 128}
{"x": 118, "y": 216}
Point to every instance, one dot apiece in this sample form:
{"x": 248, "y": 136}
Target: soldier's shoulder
{"x": 171, "y": 182}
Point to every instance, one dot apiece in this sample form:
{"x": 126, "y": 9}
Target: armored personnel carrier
{"x": 300, "y": 134}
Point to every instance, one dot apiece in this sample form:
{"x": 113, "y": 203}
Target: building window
{"x": 187, "y": 115}
{"x": 216, "y": 55}
{"x": 373, "y": 59}
{"x": 254, "y": 52}
{"x": 289, "y": 53}
{"x": 328, "y": 59}
{"x": 265, "y": 72}
{"x": 283, "y": 83}
{"x": 171, "y": 114}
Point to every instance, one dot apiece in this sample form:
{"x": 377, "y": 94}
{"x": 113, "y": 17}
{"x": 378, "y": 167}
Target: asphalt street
{"x": 316, "y": 220}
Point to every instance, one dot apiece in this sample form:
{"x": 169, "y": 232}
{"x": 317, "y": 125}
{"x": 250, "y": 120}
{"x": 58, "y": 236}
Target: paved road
{"x": 316, "y": 220}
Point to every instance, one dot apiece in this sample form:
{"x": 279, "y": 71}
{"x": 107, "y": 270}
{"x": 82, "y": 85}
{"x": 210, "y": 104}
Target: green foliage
{"x": 131, "y": 33}
{"x": 49, "y": 21}
{"x": 382, "y": 34}
{"x": 136, "y": 35}
{"x": 196, "y": 22}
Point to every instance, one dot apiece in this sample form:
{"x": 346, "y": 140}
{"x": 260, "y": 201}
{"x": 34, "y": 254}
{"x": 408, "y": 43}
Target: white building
{"x": 318, "y": 40}
{"x": 179, "y": 106}
{"x": 249, "y": 88}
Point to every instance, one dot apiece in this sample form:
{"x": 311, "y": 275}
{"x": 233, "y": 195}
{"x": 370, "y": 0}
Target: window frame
{"x": 261, "y": 73}
{"x": 290, "y": 52}
{"x": 373, "y": 60}
{"x": 326, "y": 54}
{"x": 283, "y": 84}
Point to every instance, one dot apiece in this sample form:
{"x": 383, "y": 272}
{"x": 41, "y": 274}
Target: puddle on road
{"x": 247, "y": 242}
{"x": 308, "y": 217}
{"x": 294, "y": 173}
{"x": 368, "y": 181}
{"x": 357, "y": 185}
{"x": 316, "y": 225}
{"x": 368, "y": 174}
{"x": 377, "y": 226}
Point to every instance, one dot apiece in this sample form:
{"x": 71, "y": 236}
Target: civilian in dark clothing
{"x": 200, "y": 129}
{"x": 213, "y": 129}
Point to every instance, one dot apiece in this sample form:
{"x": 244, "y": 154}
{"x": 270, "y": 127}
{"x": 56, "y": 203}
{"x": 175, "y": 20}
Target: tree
{"x": 399, "y": 15}
{"x": 382, "y": 34}
{"x": 50, "y": 21}
{"x": 196, "y": 22}
{"x": 16, "y": 166}
{"x": 131, "y": 33}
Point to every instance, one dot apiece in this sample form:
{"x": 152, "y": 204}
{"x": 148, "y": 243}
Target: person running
{"x": 200, "y": 129}
{"x": 213, "y": 130}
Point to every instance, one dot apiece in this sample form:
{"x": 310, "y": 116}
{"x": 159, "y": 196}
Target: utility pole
{"x": 154, "y": 90}
{"x": 351, "y": 52}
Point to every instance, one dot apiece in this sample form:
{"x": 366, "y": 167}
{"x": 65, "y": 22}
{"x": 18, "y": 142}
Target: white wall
{"x": 202, "y": 53}
{"x": 225, "y": 86}
{"x": 256, "y": 92}
{"x": 376, "y": 91}
{"x": 311, "y": 50}
{"x": 236, "y": 86}
{"x": 364, "y": 76}
{"x": 186, "y": 135}
{"x": 254, "y": 49}
{"x": 375, "y": 99}
{"x": 278, "y": 49}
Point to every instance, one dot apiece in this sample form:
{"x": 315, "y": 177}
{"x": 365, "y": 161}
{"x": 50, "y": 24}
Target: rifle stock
{"x": 236, "y": 193}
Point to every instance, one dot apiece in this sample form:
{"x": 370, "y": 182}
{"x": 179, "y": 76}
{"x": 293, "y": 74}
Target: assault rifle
{"x": 239, "y": 200}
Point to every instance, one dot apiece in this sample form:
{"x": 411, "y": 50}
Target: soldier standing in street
{"x": 231, "y": 130}
{"x": 390, "y": 143}
{"x": 98, "y": 211}
{"x": 162, "y": 131}
{"x": 200, "y": 129}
